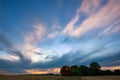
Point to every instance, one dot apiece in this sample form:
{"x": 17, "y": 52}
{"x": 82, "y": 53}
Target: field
{"x": 59, "y": 78}
{"x": 101, "y": 78}
{"x": 39, "y": 78}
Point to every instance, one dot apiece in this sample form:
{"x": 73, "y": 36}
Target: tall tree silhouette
{"x": 84, "y": 70}
{"x": 75, "y": 70}
{"x": 117, "y": 72}
{"x": 95, "y": 68}
{"x": 65, "y": 71}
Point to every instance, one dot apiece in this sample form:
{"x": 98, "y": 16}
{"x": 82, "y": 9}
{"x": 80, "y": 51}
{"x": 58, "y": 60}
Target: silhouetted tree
{"x": 94, "y": 68}
{"x": 65, "y": 71}
{"x": 117, "y": 72}
{"x": 107, "y": 72}
{"x": 75, "y": 70}
{"x": 84, "y": 70}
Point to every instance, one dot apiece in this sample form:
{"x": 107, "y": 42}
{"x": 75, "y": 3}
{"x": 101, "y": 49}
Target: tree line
{"x": 94, "y": 69}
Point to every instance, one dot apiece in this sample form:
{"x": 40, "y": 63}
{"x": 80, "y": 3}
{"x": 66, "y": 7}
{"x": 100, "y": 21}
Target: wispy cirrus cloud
{"x": 5, "y": 43}
{"x": 103, "y": 17}
{"x": 53, "y": 34}
{"x": 87, "y": 7}
{"x": 6, "y": 49}
{"x": 111, "y": 29}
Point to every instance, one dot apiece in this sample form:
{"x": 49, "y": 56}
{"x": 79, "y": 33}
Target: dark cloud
{"x": 75, "y": 59}
{"x": 38, "y": 53}
{"x": 111, "y": 60}
{"x": 66, "y": 59}
{"x": 22, "y": 63}
{"x": 6, "y": 46}
{"x": 14, "y": 67}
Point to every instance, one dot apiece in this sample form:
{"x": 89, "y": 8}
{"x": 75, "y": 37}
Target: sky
{"x": 40, "y": 36}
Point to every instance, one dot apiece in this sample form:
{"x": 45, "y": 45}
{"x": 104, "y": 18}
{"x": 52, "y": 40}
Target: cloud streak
{"x": 32, "y": 40}
{"x": 98, "y": 19}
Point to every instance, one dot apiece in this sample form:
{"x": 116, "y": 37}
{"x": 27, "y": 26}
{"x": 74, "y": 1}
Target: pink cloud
{"x": 31, "y": 40}
{"x": 101, "y": 18}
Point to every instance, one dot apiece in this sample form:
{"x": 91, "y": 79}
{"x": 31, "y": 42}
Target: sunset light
{"x": 42, "y": 36}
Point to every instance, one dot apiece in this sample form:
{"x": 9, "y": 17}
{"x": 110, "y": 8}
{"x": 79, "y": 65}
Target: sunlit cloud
{"x": 32, "y": 40}
{"x": 87, "y": 7}
{"x": 10, "y": 57}
{"x": 98, "y": 19}
{"x": 53, "y": 34}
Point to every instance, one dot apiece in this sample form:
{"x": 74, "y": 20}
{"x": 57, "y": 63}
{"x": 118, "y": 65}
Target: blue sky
{"x": 40, "y": 36}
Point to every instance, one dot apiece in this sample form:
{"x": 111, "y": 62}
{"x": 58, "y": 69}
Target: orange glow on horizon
{"x": 46, "y": 71}
{"x": 35, "y": 71}
{"x": 56, "y": 70}
{"x": 110, "y": 68}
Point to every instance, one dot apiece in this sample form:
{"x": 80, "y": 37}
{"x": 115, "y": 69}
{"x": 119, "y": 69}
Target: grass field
{"x": 39, "y": 78}
{"x": 101, "y": 78}
{"x": 59, "y": 78}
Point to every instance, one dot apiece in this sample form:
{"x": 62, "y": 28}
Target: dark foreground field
{"x": 58, "y": 78}
{"x": 101, "y": 78}
{"x": 39, "y": 78}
